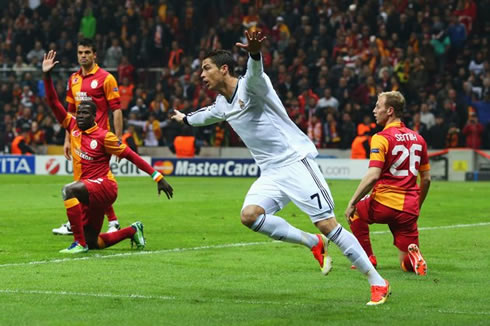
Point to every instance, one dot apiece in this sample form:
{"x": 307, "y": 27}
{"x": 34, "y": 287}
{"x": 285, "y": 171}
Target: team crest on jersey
{"x": 94, "y": 84}
{"x": 242, "y": 104}
{"x": 93, "y": 144}
{"x": 75, "y": 133}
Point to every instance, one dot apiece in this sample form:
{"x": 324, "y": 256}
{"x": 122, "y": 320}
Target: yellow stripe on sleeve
{"x": 379, "y": 148}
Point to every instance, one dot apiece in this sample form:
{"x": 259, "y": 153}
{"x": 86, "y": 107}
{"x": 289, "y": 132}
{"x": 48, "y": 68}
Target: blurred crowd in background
{"x": 328, "y": 60}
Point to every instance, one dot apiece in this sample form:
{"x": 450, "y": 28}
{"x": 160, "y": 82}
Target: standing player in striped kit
{"x": 94, "y": 188}
{"x": 92, "y": 83}
{"x": 285, "y": 156}
{"x": 398, "y": 156}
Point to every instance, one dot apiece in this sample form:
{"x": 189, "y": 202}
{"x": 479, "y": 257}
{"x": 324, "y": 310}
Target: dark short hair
{"x": 91, "y": 105}
{"x": 222, "y": 57}
{"x": 88, "y": 43}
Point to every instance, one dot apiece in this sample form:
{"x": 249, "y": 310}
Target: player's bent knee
{"x": 250, "y": 213}
{"x": 67, "y": 192}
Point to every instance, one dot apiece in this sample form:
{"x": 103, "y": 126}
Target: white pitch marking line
{"x": 141, "y": 296}
{"x": 455, "y": 226}
{"x": 229, "y": 245}
{"x": 167, "y": 298}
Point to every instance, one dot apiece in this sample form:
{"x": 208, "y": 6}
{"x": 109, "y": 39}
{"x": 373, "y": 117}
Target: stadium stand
{"x": 328, "y": 60}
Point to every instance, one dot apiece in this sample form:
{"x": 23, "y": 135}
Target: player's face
{"x": 380, "y": 111}
{"x": 85, "y": 118}
{"x": 86, "y": 56}
{"x": 211, "y": 75}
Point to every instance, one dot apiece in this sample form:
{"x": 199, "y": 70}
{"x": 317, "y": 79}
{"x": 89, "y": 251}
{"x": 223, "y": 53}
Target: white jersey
{"x": 257, "y": 115}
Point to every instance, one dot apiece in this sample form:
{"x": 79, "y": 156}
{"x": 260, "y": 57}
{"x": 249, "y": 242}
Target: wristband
{"x": 157, "y": 176}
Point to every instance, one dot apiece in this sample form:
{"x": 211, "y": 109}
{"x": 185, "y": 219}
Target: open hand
{"x": 165, "y": 187}
{"x": 177, "y": 116}
{"x": 48, "y": 61}
{"x": 254, "y": 42}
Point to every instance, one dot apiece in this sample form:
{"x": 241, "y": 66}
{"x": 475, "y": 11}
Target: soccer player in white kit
{"x": 285, "y": 156}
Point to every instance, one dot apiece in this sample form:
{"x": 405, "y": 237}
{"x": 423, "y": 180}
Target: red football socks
{"x": 112, "y": 238}
{"x": 74, "y": 213}
{"x": 111, "y": 216}
{"x": 361, "y": 231}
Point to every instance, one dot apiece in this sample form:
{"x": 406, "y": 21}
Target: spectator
{"x": 426, "y": 117}
{"x": 125, "y": 70}
{"x": 20, "y": 144}
{"x": 126, "y": 92}
{"x": 113, "y": 55}
{"x": 36, "y": 53}
{"x": 418, "y": 126}
{"x": 88, "y": 24}
{"x": 476, "y": 65}
{"x": 473, "y": 132}
{"x": 452, "y": 138}
{"x": 437, "y": 134}
{"x": 315, "y": 130}
{"x": 347, "y": 131}
{"x": 360, "y": 148}
{"x": 328, "y": 100}
{"x": 152, "y": 129}
{"x": 331, "y": 131}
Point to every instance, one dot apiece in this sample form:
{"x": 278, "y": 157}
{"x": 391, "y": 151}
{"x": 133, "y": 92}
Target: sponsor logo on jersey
{"x": 93, "y": 144}
{"x": 94, "y": 84}
{"x": 82, "y": 96}
{"x": 115, "y": 89}
{"x": 374, "y": 150}
{"x": 75, "y": 133}
{"x": 75, "y": 80}
{"x": 242, "y": 104}
{"x": 83, "y": 155}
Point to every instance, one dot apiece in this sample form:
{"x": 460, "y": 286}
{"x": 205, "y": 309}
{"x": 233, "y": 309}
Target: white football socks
{"x": 279, "y": 229}
{"x": 351, "y": 248}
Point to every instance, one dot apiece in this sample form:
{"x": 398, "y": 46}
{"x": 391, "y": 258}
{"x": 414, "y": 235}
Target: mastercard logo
{"x": 164, "y": 167}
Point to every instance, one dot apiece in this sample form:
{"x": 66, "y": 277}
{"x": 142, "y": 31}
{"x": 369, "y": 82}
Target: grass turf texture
{"x": 262, "y": 283}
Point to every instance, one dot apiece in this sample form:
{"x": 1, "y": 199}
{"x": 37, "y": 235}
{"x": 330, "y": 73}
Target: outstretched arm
{"x": 51, "y": 96}
{"x": 113, "y": 146}
{"x": 202, "y": 117}
{"x": 163, "y": 185}
{"x": 255, "y": 77}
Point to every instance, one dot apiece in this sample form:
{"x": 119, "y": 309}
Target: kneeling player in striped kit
{"x": 95, "y": 187}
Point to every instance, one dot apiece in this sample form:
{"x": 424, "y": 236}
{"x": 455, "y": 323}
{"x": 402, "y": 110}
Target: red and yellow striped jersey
{"x": 91, "y": 150}
{"x": 401, "y": 153}
{"x": 98, "y": 86}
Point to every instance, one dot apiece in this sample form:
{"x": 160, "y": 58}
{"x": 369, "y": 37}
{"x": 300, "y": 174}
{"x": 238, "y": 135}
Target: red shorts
{"x": 403, "y": 225}
{"x": 102, "y": 193}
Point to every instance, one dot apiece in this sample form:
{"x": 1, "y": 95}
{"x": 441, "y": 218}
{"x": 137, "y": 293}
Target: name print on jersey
{"x": 406, "y": 137}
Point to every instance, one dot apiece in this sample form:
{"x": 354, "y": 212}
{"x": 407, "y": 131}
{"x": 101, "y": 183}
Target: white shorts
{"x": 301, "y": 182}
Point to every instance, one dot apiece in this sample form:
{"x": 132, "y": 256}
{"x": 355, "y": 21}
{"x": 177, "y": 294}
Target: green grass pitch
{"x": 202, "y": 267}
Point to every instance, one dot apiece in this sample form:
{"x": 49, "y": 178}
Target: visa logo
{"x": 14, "y": 164}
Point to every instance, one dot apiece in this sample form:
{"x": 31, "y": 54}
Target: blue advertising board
{"x": 17, "y": 164}
{"x": 199, "y": 167}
